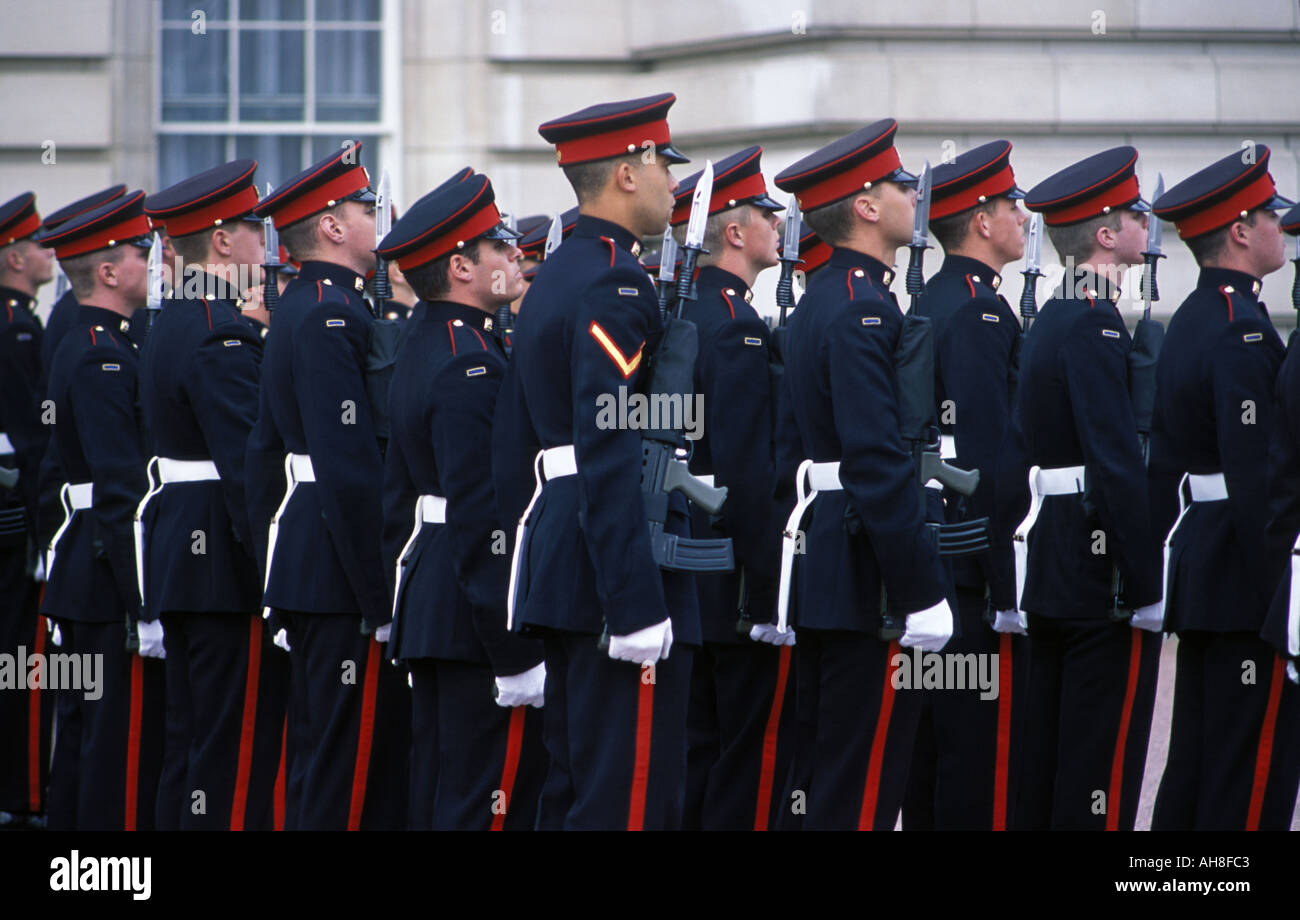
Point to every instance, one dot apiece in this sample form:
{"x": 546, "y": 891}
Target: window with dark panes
{"x": 280, "y": 81}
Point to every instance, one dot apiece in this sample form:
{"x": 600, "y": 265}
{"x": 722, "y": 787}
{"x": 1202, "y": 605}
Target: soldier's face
{"x": 898, "y": 207}
{"x": 763, "y": 238}
{"x": 657, "y": 188}
{"x": 358, "y": 220}
{"x": 133, "y": 276}
{"x": 1007, "y": 230}
{"x": 38, "y": 263}
{"x": 1266, "y": 237}
{"x": 497, "y": 277}
{"x": 247, "y": 244}
{"x": 1131, "y": 239}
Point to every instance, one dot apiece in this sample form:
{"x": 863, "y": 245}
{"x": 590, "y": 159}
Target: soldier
{"x": 615, "y": 729}
{"x": 960, "y": 774}
{"x": 739, "y": 682}
{"x": 324, "y": 559}
{"x": 1092, "y": 671}
{"x": 867, "y": 551}
{"x": 1232, "y": 752}
{"x": 226, "y": 685}
{"x": 449, "y": 617}
{"x": 24, "y": 714}
{"x": 107, "y": 755}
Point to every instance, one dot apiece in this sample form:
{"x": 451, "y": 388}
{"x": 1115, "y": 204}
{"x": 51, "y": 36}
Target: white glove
{"x": 644, "y": 645}
{"x": 1291, "y": 673}
{"x": 382, "y": 633}
{"x": 1010, "y": 621}
{"x": 1151, "y": 617}
{"x": 281, "y": 638}
{"x": 929, "y": 629}
{"x": 56, "y": 637}
{"x": 767, "y": 633}
{"x": 151, "y": 639}
{"x": 526, "y": 689}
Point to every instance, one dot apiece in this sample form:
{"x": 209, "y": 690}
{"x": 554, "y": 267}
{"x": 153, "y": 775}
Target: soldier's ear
{"x": 866, "y": 207}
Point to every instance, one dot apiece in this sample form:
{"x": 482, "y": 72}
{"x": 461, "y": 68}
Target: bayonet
{"x": 789, "y": 258}
{"x": 380, "y": 289}
{"x": 1153, "y": 253}
{"x": 271, "y": 267}
{"x": 920, "y": 235}
{"x": 695, "y": 235}
{"x": 554, "y": 237}
{"x": 667, "y": 269}
{"x": 504, "y": 318}
{"x": 1033, "y": 271}
{"x": 61, "y": 285}
{"x": 154, "y": 297}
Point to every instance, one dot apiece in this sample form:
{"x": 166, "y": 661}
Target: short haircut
{"x": 589, "y": 179}
{"x": 714, "y": 227}
{"x": 1077, "y": 242}
{"x": 833, "y": 222}
{"x": 301, "y": 238}
{"x": 432, "y": 280}
{"x": 81, "y": 269}
{"x": 192, "y": 248}
{"x": 951, "y": 231}
{"x": 1210, "y": 246}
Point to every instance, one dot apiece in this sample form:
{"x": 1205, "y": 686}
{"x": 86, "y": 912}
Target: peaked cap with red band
{"x": 120, "y": 221}
{"x": 846, "y": 167}
{"x": 1102, "y": 183}
{"x": 613, "y": 129}
{"x": 1223, "y": 192}
{"x": 972, "y": 179}
{"x": 526, "y": 226}
{"x": 82, "y": 205}
{"x": 18, "y": 219}
{"x": 813, "y": 252}
{"x": 338, "y": 177}
{"x": 533, "y": 243}
{"x": 1291, "y": 221}
{"x": 213, "y": 197}
{"x": 444, "y": 222}
{"x": 737, "y": 180}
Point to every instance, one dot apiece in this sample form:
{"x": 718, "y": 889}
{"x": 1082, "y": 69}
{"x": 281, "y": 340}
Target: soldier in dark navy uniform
{"x": 960, "y": 777}
{"x": 616, "y": 717}
{"x": 740, "y": 683}
{"x": 1074, "y": 443}
{"x": 107, "y": 753}
{"x": 24, "y": 714}
{"x": 477, "y": 763}
{"x": 867, "y": 550}
{"x": 226, "y": 684}
{"x": 314, "y": 475}
{"x": 1233, "y": 743}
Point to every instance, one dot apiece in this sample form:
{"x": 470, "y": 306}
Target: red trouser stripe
{"x": 871, "y": 793}
{"x": 133, "y": 742}
{"x": 1265, "y": 752}
{"x": 280, "y": 778}
{"x": 645, "y": 708}
{"x": 246, "y": 731}
{"x": 768, "y": 769}
{"x": 365, "y": 737}
{"x": 514, "y": 745}
{"x": 1121, "y": 740}
{"x": 34, "y": 723}
{"x": 1001, "y": 767}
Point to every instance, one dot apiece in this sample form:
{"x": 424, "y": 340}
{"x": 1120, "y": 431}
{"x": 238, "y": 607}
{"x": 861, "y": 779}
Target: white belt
{"x": 297, "y": 468}
{"x": 430, "y": 509}
{"x": 550, "y": 463}
{"x": 6, "y": 445}
{"x": 947, "y": 451}
{"x": 1062, "y": 480}
{"x": 1203, "y": 487}
{"x": 811, "y": 479}
{"x": 74, "y": 497}
{"x": 169, "y": 471}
